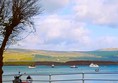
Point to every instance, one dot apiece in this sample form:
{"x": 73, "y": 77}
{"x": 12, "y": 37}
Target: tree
{"x": 15, "y": 18}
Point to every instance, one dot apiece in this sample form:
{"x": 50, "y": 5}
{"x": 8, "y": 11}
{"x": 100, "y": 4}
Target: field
{"x": 24, "y": 56}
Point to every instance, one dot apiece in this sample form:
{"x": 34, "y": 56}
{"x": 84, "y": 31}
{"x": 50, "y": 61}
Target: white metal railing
{"x": 76, "y": 77}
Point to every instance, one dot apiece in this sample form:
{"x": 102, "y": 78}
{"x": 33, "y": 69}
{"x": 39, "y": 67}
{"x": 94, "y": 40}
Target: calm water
{"x": 62, "y": 70}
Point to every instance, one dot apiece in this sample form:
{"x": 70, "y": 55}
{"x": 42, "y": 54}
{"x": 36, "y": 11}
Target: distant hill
{"x": 60, "y": 56}
{"x": 109, "y": 49}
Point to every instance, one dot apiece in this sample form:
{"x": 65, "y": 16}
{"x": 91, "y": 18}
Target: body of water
{"x": 48, "y": 70}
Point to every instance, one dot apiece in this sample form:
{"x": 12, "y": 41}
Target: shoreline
{"x": 60, "y": 63}
{"x": 78, "y": 63}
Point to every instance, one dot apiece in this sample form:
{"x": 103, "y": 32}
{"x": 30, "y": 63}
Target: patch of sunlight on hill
{"x": 14, "y": 56}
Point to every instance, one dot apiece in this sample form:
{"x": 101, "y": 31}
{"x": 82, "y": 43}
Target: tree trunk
{"x": 8, "y": 31}
{"x": 1, "y": 64}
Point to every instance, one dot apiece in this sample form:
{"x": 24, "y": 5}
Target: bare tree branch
{"x": 15, "y": 18}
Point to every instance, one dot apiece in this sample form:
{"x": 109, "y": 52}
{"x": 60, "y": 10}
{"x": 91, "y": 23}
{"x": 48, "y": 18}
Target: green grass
{"x": 21, "y": 56}
{"x": 17, "y": 56}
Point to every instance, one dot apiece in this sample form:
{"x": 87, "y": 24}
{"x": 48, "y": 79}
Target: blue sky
{"x": 74, "y": 25}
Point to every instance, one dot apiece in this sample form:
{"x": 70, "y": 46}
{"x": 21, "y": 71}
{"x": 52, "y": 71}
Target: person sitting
{"x": 29, "y": 79}
{"x": 17, "y": 79}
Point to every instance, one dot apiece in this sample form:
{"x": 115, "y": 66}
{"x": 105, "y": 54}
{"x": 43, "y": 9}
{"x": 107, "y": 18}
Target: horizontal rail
{"x": 85, "y": 80}
{"x": 84, "y": 73}
{"x": 69, "y": 80}
{"x": 63, "y": 73}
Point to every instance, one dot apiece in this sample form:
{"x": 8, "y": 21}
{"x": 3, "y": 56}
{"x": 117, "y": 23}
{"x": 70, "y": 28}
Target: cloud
{"x": 55, "y": 28}
{"x": 71, "y": 31}
{"x": 29, "y": 42}
{"x": 102, "y": 12}
{"x": 51, "y": 6}
{"x": 104, "y": 42}
{"x": 108, "y": 41}
{"x": 57, "y": 33}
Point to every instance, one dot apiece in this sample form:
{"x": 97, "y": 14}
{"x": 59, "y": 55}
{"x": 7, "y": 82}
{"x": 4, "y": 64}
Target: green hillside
{"x": 18, "y": 55}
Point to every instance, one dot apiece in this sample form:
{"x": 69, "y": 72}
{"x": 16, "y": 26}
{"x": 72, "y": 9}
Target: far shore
{"x": 61, "y": 63}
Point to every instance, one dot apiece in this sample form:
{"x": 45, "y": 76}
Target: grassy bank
{"x": 26, "y": 57}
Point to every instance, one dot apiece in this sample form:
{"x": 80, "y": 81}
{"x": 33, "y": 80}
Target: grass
{"x": 22, "y": 56}
{"x": 34, "y": 55}
{"x": 16, "y": 56}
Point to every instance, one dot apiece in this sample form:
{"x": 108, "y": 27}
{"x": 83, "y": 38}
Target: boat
{"x": 52, "y": 65}
{"x": 73, "y": 66}
{"x": 31, "y": 66}
{"x": 96, "y": 70}
{"x": 93, "y": 65}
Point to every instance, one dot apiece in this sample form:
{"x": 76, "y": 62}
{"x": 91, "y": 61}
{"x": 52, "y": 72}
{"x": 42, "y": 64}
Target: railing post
{"x": 50, "y": 78}
{"x": 83, "y": 77}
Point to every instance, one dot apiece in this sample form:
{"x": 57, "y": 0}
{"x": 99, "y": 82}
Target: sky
{"x": 74, "y": 25}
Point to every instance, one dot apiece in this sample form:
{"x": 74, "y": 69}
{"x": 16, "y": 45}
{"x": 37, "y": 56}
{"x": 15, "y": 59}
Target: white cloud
{"x": 57, "y": 33}
{"x": 57, "y": 28}
{"x": 104, "y": 42}
{"x": 108, "y": 40}
{"x": 51, "y": 6}
{"x": 103, "y": 12}
{"x": 30, "y": 42}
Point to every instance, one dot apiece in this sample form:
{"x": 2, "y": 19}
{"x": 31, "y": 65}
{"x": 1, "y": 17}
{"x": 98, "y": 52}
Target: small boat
{"x": 73, "y": 66}
{"x": 93, "y": 65}
{"x": 96, "y": 70}
{"x": 52, "y": 65}
{"x": 31, "y": 66}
